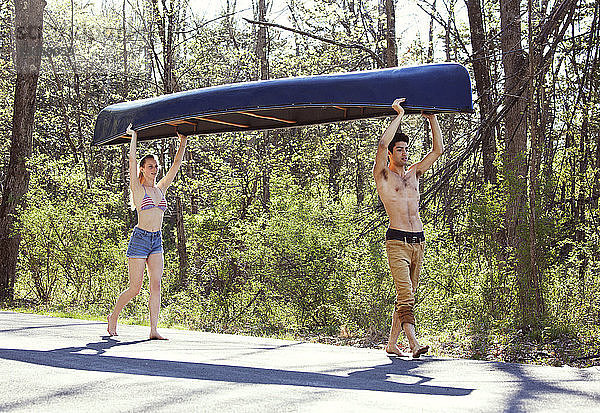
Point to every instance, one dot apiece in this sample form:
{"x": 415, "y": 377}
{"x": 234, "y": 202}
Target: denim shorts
{"x": 143, "y": 243}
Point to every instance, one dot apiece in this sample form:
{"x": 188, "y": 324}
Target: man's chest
{"x": 401, "y": 186}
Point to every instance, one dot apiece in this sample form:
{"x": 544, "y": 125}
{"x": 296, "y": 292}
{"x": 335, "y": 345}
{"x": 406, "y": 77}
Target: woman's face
{"x": 150, "y": 169}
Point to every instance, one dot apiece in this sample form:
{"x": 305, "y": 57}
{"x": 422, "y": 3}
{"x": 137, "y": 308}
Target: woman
{"x": 145, "y": 245}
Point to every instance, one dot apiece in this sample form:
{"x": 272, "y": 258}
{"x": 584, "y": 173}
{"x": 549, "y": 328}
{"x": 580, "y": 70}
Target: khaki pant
{"x": 405, "y": 261}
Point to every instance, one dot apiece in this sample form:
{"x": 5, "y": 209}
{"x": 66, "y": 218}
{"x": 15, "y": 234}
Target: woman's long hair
{"x": 141, "y": 175}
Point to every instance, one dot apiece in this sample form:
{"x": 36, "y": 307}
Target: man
{"x": 398, "y": 188}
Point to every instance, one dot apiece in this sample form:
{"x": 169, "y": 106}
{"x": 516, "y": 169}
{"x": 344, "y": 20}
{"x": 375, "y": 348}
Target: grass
{"x": 554, "y": 345}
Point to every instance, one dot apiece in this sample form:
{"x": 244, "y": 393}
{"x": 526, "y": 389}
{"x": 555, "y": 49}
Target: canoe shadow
{"x": 12, "y": 330}
{"x": 373, "y": 378}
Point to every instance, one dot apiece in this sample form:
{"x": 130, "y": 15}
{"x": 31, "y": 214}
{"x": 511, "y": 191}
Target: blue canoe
{"x": 289, "y": 102}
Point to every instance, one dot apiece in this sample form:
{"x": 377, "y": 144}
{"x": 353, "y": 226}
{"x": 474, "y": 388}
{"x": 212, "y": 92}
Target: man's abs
{"x": 404, "y": 217}
{"x": 400, "y": 197}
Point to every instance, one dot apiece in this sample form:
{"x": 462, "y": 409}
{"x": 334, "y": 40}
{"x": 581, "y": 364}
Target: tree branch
{"x": 380, "y": 62}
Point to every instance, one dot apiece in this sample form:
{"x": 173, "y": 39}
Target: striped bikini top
{"x": 148, "y": 202}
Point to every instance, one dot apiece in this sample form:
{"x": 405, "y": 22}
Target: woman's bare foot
{"x": 156, "y": 336}
{"x": 396, "y": 350}
{"x": 112, "y": 327}
{"x": 417, "y": 351}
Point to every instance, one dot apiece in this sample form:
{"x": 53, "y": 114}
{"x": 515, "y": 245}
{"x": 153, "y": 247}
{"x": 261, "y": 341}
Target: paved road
{"x": 61, "y": 364}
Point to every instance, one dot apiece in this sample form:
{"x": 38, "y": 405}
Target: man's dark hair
{"x": 398, "y": 137}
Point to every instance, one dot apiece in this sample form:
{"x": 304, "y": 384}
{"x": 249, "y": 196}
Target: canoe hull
{"x": 289, "y": 102}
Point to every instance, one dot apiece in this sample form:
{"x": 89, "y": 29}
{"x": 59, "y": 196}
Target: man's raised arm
{"x": 382, "y": 148}
{"x": 436, "y": 150}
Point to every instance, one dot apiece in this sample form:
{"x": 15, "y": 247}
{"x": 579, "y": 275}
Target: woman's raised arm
{"x": 133, "y": 178}
{"x": 167, "y": 180}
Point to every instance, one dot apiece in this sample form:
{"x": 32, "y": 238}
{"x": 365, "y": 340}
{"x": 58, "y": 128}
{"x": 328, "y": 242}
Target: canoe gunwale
{"x": 285, "y": 123}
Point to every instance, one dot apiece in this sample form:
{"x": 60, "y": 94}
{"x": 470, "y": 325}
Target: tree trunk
{"x": 359, "y": 182}
{"x": 515, "y": 138}
{"x": 536, "y": 92}
{"x": 263, "y": 74}
{"x": 447, "y": 41}
{"x": 391, "y": 51}
{"x": 78, "y": 97}
{"x": 430, "y": 49}
{"x": 335, "y": 167}
{"x": 124, "y": 151}
{"x": 593, "y": 65}
{"x": 168, "y": 21}
{"x": 125, "y": 71}
{"x": 261, "y": 42}
{"x": 28, "y": 44}
{"x": 483, "y": 84}
{"x": 181, "y": 243}
{"x": 580, "y": 233}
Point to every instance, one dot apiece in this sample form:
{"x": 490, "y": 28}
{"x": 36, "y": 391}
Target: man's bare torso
{"x": 400, "y": 196}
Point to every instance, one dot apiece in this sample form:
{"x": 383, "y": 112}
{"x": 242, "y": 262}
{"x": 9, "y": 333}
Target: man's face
{"x": 400, "y": 153}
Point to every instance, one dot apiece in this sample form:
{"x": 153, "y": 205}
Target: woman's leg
{"x": 136, "y": 276}
{"x": 155, "y": 273}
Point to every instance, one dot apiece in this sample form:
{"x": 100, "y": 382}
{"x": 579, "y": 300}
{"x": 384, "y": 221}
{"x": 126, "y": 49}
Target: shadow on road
{"x": 374, "y": 378}
{"x": 11, "y": 330}
{"x": 532, "y": 387}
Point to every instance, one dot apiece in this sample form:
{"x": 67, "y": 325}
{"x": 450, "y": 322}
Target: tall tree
{"x": 124, "y": 94}
{"x": 542, "y": 31}
{"x": 391, "y": 51}
{"x": 535, "y": 81}
{"x": 515, "y": 65}
{"x": 524, "y": 84}
{"x": 263, "y": 74}
{"x": 28, "y": 55}
{"x": 430, "y": 37}
{"x": 447, "y": 38}
{"x": 169, "y": 21}
{"x": 483, "y": 84}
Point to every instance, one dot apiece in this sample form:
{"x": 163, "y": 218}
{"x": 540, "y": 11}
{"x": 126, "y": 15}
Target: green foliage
{"x": 72, "y": 239}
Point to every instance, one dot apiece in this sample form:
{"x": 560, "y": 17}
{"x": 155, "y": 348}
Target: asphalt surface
{"x": 61, "y": 364}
